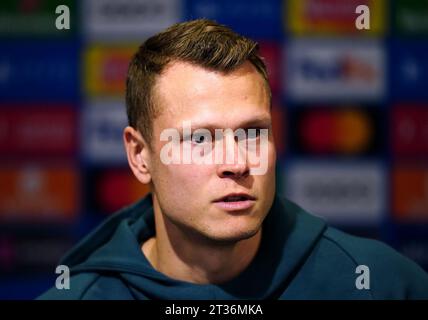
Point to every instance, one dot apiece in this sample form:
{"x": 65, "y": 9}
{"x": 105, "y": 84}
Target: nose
{"x": 234, "y": 171}
{"x": 238, "y": 168}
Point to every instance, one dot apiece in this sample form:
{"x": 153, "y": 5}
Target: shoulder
{"x": 89, "y": 286}
{"x": 79, "y": 286}
{"x": 392, "y": 275}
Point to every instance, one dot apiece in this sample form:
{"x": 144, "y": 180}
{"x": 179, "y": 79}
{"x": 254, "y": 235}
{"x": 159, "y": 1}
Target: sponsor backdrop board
{"x": 349, "y": 106}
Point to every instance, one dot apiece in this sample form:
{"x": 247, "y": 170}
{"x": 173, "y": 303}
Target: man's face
{"x": 187, "y": 194}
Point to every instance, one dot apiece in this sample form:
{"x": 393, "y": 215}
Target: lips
{"x": 234, "y": 197}
{"x": 235, "y": 201}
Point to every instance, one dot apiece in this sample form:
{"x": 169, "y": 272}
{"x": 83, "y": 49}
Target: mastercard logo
{"x": 338, "y": 131}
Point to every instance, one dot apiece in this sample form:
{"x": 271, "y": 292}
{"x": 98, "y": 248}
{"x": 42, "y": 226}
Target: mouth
{"x": 235, "y": 202}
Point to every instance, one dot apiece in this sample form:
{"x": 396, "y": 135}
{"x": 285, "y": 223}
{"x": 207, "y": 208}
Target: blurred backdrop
{"x": 350, "y": 116}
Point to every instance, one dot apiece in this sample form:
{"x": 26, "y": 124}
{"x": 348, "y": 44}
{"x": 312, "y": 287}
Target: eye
{"x": 253, "y": 133}
{"x": 198, "y": 138}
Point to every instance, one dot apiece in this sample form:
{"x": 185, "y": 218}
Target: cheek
{"x": 272, "y": 157}
{"x": 178, "y": 185}
{"x": 269, "y": 177}
{"x": 183, "y": 176}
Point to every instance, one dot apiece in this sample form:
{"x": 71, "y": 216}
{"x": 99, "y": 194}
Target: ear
{"x": 138, "y": 153}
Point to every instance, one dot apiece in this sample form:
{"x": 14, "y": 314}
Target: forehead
{"x": 225, "y": 100}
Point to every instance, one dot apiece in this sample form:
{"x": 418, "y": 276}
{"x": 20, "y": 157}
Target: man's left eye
{"x": 198, "y": 138}
{"x": 253, "y": 133}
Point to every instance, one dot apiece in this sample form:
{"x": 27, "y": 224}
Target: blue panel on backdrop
{"x": 409, "y": 70}
{"x": 39, "y": 70}
{"x": 253, "y": 18}
{"x": 412, "y": 242}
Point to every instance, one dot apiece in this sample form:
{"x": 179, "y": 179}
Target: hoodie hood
{"x": 114, "y": 248}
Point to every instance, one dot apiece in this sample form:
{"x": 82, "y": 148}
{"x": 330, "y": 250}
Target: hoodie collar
{"x": 288, "y": 237}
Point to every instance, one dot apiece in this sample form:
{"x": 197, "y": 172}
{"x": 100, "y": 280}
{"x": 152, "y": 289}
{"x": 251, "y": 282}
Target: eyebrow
{"x": 264, "y": 121}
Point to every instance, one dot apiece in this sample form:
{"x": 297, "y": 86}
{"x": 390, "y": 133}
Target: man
{"x": 216, "y": 229}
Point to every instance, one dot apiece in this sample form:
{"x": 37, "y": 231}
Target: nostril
{"x": 229, "y": 173}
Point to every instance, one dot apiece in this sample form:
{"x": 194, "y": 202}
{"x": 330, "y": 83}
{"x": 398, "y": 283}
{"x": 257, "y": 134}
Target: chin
{"x": 233, "y": 234}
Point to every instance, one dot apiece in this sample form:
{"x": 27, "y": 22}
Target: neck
{"x": 182, "y": 257}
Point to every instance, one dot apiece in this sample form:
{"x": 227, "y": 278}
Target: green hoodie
{"x": 300, "y": 257}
